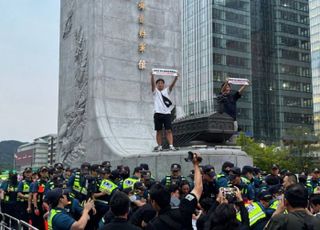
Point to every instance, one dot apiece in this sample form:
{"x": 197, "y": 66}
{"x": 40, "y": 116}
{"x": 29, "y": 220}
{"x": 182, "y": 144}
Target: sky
{"x": 29, "y": 68}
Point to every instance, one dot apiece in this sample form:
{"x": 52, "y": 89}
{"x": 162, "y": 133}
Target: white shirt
{"x": 159, "y": 105}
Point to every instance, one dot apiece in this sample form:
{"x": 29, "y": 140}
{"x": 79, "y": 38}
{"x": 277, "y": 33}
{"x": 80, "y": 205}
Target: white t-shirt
{"x": 159, "y": 105}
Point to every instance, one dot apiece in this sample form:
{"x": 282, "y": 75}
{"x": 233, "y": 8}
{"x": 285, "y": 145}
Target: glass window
{"x": 291, "y": 101}
{"x": 236, "y": 45}
{"x": 289, "y": 41}
{"x": 237, "y": 32}
{"x": 217, "y": 59}
{"x": 236, "y": 61}
{"x": 237, "y": 18}
{"x": 291, "y": 55}
{"x": 289, "y": 29}
{"x": 289, "y": 69}
{"x": 288, "y": 16}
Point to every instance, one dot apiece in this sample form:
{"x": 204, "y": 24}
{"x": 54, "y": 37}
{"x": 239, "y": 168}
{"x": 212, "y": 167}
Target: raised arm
{"x": 173, "y": 82}
{"x": 242, "y": 89}
{"x": 153, "y": 84}
{"x": 198, "y": 187}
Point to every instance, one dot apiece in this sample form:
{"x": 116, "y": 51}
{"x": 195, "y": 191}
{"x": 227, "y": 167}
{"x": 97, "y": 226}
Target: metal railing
{"x": 12, "y": 223}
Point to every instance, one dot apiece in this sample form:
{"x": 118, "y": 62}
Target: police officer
{"x": 105, "y": 189}
{"x": 223, "y": 177}
{"x": 38, "y": 192}
{"x": 10, "y": 188}
{"x": 259, "y": 214}
{"x": 78, "y": 183}
{"x": 130, "y": 181}
{"x": 273, "y": 178}
{"x": 314, "y": 182}
{"x": 247, "y": 179}
{"x": 58, "y": 218}
{"x": 210, "y": 188}
{"x": 175, "y": 177}
{"x": 23, "y": 195}
{"x": 235, "y": 181}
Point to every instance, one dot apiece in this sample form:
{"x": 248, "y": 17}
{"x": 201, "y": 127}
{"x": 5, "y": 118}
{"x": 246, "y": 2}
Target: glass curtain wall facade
{"x": 315, "y": 54}
{"x": 216, "y": 45}
{"x": 281, "y": 67}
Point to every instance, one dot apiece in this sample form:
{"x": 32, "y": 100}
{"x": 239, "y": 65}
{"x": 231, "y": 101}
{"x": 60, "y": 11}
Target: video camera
{"x": 230, "y": 194}
{"x": 190, "y": 157}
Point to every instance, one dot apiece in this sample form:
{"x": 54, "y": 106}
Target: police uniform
{"x": 10, "y": 200}
{"x": 24, "y": 189}
{"x": 77, "y": 184}
{"x": 256, "y": 213}
{"x": 312, "y": 185}
{"x": 39, "y": 189}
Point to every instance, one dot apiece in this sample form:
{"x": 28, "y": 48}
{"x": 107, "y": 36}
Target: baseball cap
{"x": 54, "y": 195}
{"x": 138, "y": 185}
{"x": 175, "y": 167}
{"x": 316, "y": 170}
{"x": 227, "y": 164}
{"x": 144, "y": 166}
{"x": 209, "y": 170}
{"x": 137, "y": 169}
{"x": 95, "y": 167}
{"x": 43, "y": 168}
{"x": 85, "y": 165}
{"x": 105, "y": 170}
{"x": 235, "y": 171}
{"x": 28, "y": 169}
{"x": 275, "y": 166}
{"x": 265, "y": 195}
{"x": 58, "y": 165}
{"x": 247, "y": 169}
{"x": 106, "y": 164}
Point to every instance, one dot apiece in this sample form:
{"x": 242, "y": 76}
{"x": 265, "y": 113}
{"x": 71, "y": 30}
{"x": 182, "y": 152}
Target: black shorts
{"x": 161, "y": 120}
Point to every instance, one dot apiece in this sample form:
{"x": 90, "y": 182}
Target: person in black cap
{"x": 78, "y": 182}
{"x": 23, "y": 195}
{"x": 105, "y": 190}
{"x": 106, "y": 164}
{"x": 247, "y": 179}
{"x": 313, "y": 183}
{"x": 273, "y": 178}
{"x": 175, "y": 177}
{"x": 38, "y": 192}
{"x": 223, "y": 177}
{"x": 315, "y": 205}
{"x": 130, "y": 181}
{"x": 210, "y": 188}
{"x": 295, "y": 202}
{"x": 58, "y": 218}
{"x": 259, "y": 212}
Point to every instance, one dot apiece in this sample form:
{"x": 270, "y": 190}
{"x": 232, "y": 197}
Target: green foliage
{"x": 264, "y": 156}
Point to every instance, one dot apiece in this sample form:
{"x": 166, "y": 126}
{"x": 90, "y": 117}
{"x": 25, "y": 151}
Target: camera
{"x": 190, "y": 157}
{"x": 230, "y": 194}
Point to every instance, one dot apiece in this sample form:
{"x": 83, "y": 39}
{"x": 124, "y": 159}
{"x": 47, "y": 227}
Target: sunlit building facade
{"x": 315, "y": 54}
{"x": 216, "y": 45}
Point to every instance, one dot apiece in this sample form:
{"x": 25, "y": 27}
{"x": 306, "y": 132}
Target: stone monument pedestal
{"x": 160, "y": 162}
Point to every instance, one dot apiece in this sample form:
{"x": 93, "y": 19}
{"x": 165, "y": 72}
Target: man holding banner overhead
{"x": 163, "y": 105}
{"x": 228, "y": 100}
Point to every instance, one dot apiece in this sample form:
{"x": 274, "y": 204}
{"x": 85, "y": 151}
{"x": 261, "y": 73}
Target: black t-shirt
{"x": 298, "y": 220}
{"x": 176, "y": 219}
{"x": 229, "y": 102}
{"x": 119, "y": 224}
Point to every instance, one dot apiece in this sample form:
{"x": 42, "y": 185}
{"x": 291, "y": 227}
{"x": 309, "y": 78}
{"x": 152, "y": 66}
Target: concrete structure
{"x": 107, "y": 50}
{"x": 32, "y": 155}
{"x": 314, "y": 6}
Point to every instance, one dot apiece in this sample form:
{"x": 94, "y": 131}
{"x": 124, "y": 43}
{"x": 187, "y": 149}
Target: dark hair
{"x": 223, "y": 218}
{"x": 297, "y": 196}
{"x": 160, "y": 79}
{"x": 315, "y": 199}
{"x": 160, "y": 195}
{"x": 174, "y": 188}
{"x": 119, "y": 203}
{"x": 206, "y": 203}
{"x": 224, "y": 84}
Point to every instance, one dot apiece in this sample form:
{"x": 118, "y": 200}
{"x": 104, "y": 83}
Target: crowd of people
{"x": 101, "y": 196}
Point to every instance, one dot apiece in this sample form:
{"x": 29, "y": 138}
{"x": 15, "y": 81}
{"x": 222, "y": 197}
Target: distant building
{"x": 315, "y": 54}
{"x": 52, "y": 147}
{"x": 36, "y": 154}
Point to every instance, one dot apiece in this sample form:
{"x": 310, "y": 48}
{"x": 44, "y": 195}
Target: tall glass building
{"x": 266, "y": 41}
{"x": 315, "y": 54}
{"x": 216, "y": 45}
{"x": 281, "y": 67}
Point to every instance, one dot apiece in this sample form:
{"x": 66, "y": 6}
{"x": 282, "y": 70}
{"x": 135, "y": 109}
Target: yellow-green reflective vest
{"x": 255, "y": 213}
{"x": 7, "y": 195}
{"x": 245, "y": 180}
{"x": 129, "y": 183}
{"x": 25, "y": 190}
{"x": 77, "y": 186}
{"x": 52, "y": 213}
{"x": 275, "y": 205}
{"x": 107, "y": 186}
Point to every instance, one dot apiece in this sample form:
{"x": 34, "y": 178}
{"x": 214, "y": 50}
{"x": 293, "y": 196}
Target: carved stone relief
{"x": 72, "y": 130}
